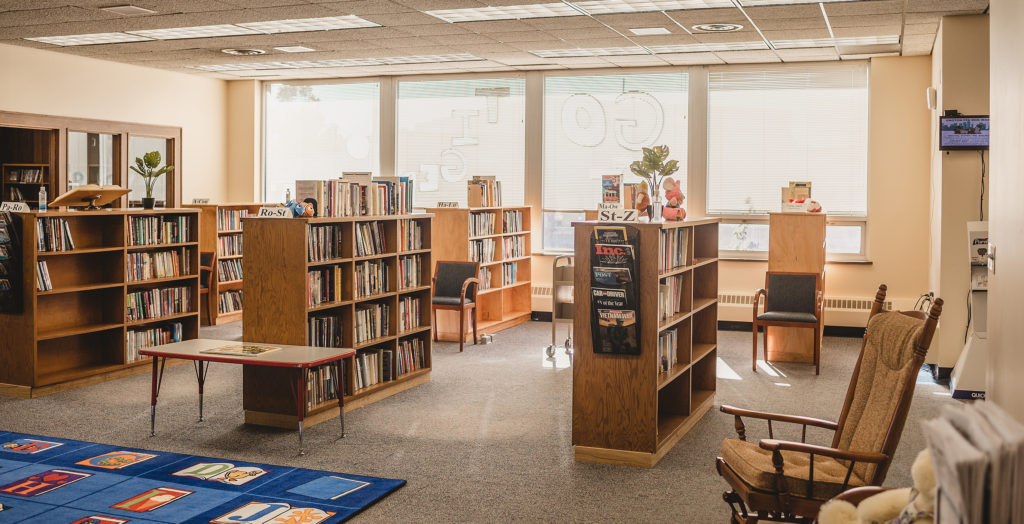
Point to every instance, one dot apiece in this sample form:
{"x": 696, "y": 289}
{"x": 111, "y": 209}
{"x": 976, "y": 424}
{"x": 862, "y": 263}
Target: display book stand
{"x": 276, "y": 263}
{"x": 796, "y": 244}
{"x": 501, "y": 303}
{"x": 220, "y": 227}
{"x": 21, "y": 182}
{"x": 625, "y": 409}
{"x": 76, "y": 334}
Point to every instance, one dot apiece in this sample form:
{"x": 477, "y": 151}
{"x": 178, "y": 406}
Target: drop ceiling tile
{"x": 275, "y": 13}
{"x": 917, "y": 50}
{"x": 865, "y": 20}
{"x": 429, "y": 5}
{"x": 879, "y": 30}
{"x": 54, "y": 15}
{"x": 563, "y": 22}
{"x": 970, "y": 6}
{"x": 406, "y": 19}
{"x": 536, "y": 46}
{"x": 181, "y": 6}
{"x": 675, "y": 39}
{"x": 442, "y": 28}
{"x": 783, "y": 24}
{"x": 512, "y": 59}
{"x": 748, "y": 57}
{"x": 601, "y": 42}
{"x": 923, "y": 18}
{"x": 919, "y": 41}
{"x": 797, "y": 34}
{"x": 581, "y": 34}
{"x": 692, "y": 58}
{"x": 582, "y": 62}
{"x": 636, "y": 60}
{"x": 783, "y": 11}
{"x": 522, "y": 36}
{"x": 807, "y": 55}
{"x": 463, "y": 39}
{"x": 498, "y": 26}
{"x": 347, "y": 45}
{"x": 263, "y": 3}
{"x": 739, "y": 36}
{"x": 692, "y": 17}
{"x": 629, "y": 20}
{"x": 539, "y": 67}
{"x": 866, "y": 56}
{"x": 368, "y": 7}
{"x": 875, "y": 7}
{"x": 921, "y": 29}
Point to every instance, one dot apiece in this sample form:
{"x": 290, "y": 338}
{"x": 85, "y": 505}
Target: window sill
{"x": 864, "y": 262}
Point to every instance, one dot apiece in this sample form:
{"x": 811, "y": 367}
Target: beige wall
{"x": 960, "y": 65}
{"x": 244, "y": 136}
{"x": 50, "y": 83}
{"x": 1006, "y": 358}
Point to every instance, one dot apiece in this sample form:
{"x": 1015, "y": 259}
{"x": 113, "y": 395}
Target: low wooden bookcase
{"x": 78, "y": 332}
{"x": 501, "y": 302}
{"x": 221, "y": 227}
{"x": 277, "y": 261}
{"x": 625, "y": 408}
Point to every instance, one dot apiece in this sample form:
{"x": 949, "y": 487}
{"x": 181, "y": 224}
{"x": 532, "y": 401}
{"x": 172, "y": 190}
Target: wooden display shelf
{"x": 625, "y": 410}
{"x": 276, "y": 264}
{"x": 75, "y": 334}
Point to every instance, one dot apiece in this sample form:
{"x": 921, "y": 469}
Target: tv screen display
{"x": 963, "y": 132}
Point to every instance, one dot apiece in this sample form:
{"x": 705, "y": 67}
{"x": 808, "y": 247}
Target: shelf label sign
{"x": 274, "y": 212}
{"x": 447, "y": 204}
{"x": 614, "y": 212}
{"x": 14, "y": 207}
{"x": 200, "y": 200}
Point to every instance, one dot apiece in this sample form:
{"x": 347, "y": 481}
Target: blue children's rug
{"x": 56, "y": 481}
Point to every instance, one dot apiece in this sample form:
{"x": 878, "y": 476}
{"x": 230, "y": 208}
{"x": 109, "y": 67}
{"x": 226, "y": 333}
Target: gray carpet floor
{"x": 487, "y": 440}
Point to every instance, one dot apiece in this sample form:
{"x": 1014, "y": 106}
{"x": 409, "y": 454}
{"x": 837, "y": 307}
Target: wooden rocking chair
{"x": 785, "y": 481}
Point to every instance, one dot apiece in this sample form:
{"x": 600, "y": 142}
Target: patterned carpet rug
{"x": 53, "y": 481}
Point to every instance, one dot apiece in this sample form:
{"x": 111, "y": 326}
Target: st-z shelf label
{"x": 614, "y": 322}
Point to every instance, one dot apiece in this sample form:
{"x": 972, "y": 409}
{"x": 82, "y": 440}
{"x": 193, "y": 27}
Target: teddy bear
{"x": 673, "y": 209}
{"x": 895, "y": 506}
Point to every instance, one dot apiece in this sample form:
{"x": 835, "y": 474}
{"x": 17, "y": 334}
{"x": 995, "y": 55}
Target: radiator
{"x": 831, "y": 303}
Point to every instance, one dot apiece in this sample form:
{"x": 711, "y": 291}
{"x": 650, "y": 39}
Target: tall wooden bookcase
{"x": 625, "y": 409}
{"x": 76, "y": 333}
{"x": 13, "y": 178}
{"x": 221, "y": 234}
{"x": 276, "y": 264}
{"x": 501, "y": 304}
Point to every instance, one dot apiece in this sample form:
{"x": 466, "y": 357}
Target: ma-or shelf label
{"x": 275, "y": 212}
{"x": 447, "y": 204}
{"x": 14, "y": 207}
{"x": 616, "y": 213}
{"x": 200, "y": 200}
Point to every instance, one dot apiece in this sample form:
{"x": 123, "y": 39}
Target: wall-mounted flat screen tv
{"x": 963, "y": 132}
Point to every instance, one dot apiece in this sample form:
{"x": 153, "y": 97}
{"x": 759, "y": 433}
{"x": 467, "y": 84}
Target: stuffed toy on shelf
{"x": 673, "y": 209}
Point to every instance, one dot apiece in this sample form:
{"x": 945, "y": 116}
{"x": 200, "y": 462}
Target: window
{"x": 451, "y": 130}
{"x": 317, "y": 132}
{"x": 137, "y": 147}
{"x": 768, "y": 126}
{"x": 597, "y": 125}
{"x": 92, "y": 158}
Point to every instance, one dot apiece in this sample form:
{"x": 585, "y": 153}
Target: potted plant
{"x": 654, "y": 168}
{"x": 147, "y": 167}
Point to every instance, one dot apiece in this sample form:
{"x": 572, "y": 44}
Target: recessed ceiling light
{"x": 297, "y": 25}
{"x": 243, "y": 52}
{"x": 127, "y": 10}
{"x": 340, "y": 62}
{"x": 708, "y": 47}
{"x": 567, "y": 8}
{"x": 647, "y": 31}
{"x": 831, "y": 42}
{"x": 202, "y": 31}
{"x": 604, "y": 7}
{"x": 294, "y": 49}
{"x": 717, "y": 28}
{"x": 89, "y": 39}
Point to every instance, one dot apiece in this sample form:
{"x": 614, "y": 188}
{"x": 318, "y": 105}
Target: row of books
{"x": 151, "y": 230}
{"x": 511, "y": 221}
{"x": 412, "y": 355}
{"x": 668, "y": 343}
{"x": 673, "y": 248}
{"x": 53, "y": 234}
{"x": 228, "y": 219}
{"x": 10, "y": 301}
{"x": 321, "y": 386}
{"x": 408, "y": 313}
{"x": 371, "y": 278}
{"x": 484, "y": 192}
{"x": 325, "y": 331}
{"x": 481, "y": 250}
{"x": 323, "y": 243}
{"x": 372, "y": 367}
{"x": 323, "y": 285}
{"x": 509, "y": 273}
{"x": 137, "y": 339}
{"x": 14, "y": 194}
{"x": 229, "y": 270}
{"x": 230, "y": 245}
{"x": 485, "y": 278}
{"x": 670, "y": 296}
{"x": 409, "y": 270}
{"x": 513, "y": 247}
{"x": 43, "y": 282}
{"x": 159, "y": 264}
{"x": 372, "y": 322}
{"x": 370, "y": 239}
{"x": 358, "y": 195}
{"x": 156, "y": 303}
{"x": 25, "y": 175}
{"x": 229, "y": 301}
{"x": 410, "y": 235}
{"x": 481, "y": 224}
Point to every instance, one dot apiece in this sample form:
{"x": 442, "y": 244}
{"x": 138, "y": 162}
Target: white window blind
{"x": 597, "y": 125}
{"x": 769, "y": 125}
{"x": 452, "y": 130}
{"x": 318, "y": 131}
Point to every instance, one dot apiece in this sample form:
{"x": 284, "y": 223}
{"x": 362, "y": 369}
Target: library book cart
{"x": 97, "y": 286}
{"x": 348, "y": 282}
{"x": 220, "y": 227}
{"x": 498, "y": 238}
{"x": 632, "y": 409}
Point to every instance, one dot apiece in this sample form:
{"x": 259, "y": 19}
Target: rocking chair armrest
{"x": 465, "y": 287}
{"x": 839, "y": 454}
{"x": 792, "y": 419}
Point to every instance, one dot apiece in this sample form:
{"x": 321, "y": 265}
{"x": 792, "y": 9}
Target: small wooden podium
{"x": 90, "y": 196}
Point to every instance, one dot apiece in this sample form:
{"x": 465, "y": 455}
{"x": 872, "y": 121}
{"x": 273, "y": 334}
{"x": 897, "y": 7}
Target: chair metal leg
{"x": 462, "y": 329}
{"x": 753, "y": 362}
{"x": 473, "y": 319}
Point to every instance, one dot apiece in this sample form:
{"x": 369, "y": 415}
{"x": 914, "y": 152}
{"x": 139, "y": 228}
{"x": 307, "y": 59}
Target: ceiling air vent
{"x": 716, "y": 28}
{"x": 243, "y": 52}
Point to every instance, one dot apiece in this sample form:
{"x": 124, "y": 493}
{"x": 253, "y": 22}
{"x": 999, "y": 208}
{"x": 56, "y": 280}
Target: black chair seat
{"x": 448, "y": 301}
{"x": 787, "y": 316}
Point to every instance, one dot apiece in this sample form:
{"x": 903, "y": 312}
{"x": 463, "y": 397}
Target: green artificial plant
{"x": 655, "y": 166}
{"x": 146, "y": 167}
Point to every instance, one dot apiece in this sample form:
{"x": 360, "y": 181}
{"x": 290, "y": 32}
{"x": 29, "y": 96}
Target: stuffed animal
{"x": 895, "y": 506}
{"x": 300, "y": 209}
{"x": 643, "y": 200}
{"x": 674, "y": 196}
{"x": 813, "y": 206}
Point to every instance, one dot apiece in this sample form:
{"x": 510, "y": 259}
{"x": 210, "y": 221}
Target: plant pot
{"x": 657, "y": 206}
{"x": 148, "y": 203}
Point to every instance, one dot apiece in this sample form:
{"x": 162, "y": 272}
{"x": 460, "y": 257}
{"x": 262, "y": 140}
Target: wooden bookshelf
{"x": 217, "y": 228}
{"x": 11, "y": 180}
{"x": 77, "y": 333}
{"x": 500, "y": 304}
{"x": 276, "y": 264}
{"x": 625, "y": 409}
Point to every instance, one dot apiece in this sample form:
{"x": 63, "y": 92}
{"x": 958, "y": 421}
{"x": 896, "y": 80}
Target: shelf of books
{"x": 21, "y": 182}
{"x": 97, "y": 286}
{"x": 631, "y": 409}
{"x": 359, "y": 282}
{"x": 220, "y": 227}
{"x": 498, "y": 238}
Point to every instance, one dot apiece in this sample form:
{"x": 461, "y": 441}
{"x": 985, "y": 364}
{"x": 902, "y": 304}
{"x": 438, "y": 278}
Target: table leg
{"x": 158, "y": 377}
{"x": 201, "y": 369}
{"x": 338, "y": 390}
{"x": 300, "y": 402}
